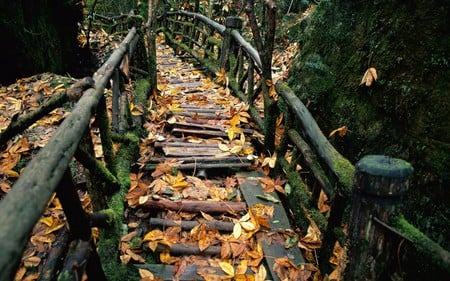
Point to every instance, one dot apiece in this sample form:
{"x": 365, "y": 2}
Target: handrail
{"x": 217, "y": 26}
{"x": 34, "y": 188}
{"x": 337, "y": 183}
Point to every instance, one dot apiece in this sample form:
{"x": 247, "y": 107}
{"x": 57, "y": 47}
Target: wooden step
{"x": 191, "y": 272}
{"x": 250, "y": 186}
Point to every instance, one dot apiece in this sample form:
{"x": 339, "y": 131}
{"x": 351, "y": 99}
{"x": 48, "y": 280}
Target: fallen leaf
{"x": 227, "y": 268}
{"x": 342, "y": 131}
{"x": 369, "y": 76}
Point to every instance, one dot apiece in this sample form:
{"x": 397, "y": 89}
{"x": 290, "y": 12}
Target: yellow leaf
{"x": 47, "y": 221}
{"x": 369, "y": 76}
{"x": 146, "y": 273}
{"x": 248, "y": 226}
{"x": 271, "y": 161}
{"x": 223, "y": 147}
{"x": 172, "y": 120}
{"x": 206, "y": 216}
{"x": 234, "y": 121}
{"x": 236, "y": 149}
{"x": 237, "y": 230}
{"x": 232, "y": 131}
{"x": 261, "y": 274}
{"x": 222, "y": 77}
{"x": 227, "y": 268}
{"x": 242, "y": 267}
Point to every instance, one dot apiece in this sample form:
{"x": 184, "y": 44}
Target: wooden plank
{"x": 202, "y": 159}
{"x": 206, "y": 133}
{"x": 185, "y": 144}
{"x": 196, "y": 166}
{"x": 181, "y": 84}
{"x": 191, "y": 151}
{"x": 250, "y": 186}
{"x": 188, "y": 225}
{"x": 206, "y": 127}
{"x": 167, "y": 272}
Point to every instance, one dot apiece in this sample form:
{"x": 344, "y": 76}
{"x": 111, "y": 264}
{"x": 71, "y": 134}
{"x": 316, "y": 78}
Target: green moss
{"x": 110, "y": 214}
{"x": 142, "y": 87}
{"x": 110, "y": 238}
{"x": 404, "y": 114}
{"x": 345, "y": 172}
{"x": 423, "y": 243}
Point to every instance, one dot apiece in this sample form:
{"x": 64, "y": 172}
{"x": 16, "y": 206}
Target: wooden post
{"x": 227, "y": 48}
{"x": 379, "y": 187}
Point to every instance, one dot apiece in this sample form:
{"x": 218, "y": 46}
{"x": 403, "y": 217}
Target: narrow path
{"x": 197, "y": 169}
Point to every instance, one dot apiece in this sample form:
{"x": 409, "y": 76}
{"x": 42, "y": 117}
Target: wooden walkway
{"x": 198, "y": 202}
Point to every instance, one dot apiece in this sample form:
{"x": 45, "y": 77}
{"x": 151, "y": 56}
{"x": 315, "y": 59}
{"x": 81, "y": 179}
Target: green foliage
{"x": 405, "y": 113}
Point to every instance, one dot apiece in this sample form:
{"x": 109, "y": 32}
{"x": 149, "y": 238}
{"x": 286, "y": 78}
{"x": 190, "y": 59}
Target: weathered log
{"x": 339, "y": 165}
{"x": 311, "y": 160}
{"x": 22, "y": 122}
{"x": 210, "y": 127}
{"x": 75, "y": 264}
{"x": 182, "y": 249}
{"x": 191, "y": 151}
{"x": 194, "y": 206}
{"x": 380, "y": 185}
{"x": 185, "y": 144}
{"x": 98, "y": 170}
{"x": 202, "y": 159}
{"x": 55, "y": 256}
{"x": 39, "y": 181}
{"x": 115, "y": 100}
{"x": 422, "y": 243}
{"x": 104, "y": 127}
{"x": 200, "y": 165}
{"x": 300, "y": 198}
{"x": 99, "y": 219}
{"x": 187, "y": 225}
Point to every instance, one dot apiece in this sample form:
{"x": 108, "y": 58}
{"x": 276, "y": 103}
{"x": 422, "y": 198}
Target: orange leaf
{"x": 342, "y": 131}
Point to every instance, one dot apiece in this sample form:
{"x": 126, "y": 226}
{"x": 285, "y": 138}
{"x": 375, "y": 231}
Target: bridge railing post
{"x": 227, "y": 46}
{"x": 379, "y": 187}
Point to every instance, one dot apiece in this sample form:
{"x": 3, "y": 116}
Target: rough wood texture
{"x": 187, "y": 225}
{"x": 196, "y": 206}
{"x": 183, "y": 249}
{"x": 39, "y": 180}
{"x": 167, "y": 272}
{"x": 311, "y": 160}
{"x": 76, "y": 262}
{"x": 423, "y": 243}
{"x": 380, "y": 184}
{"x": 339, "y": 165}
{"x": 55, "y": 256}
{"x": 250, "y": 186}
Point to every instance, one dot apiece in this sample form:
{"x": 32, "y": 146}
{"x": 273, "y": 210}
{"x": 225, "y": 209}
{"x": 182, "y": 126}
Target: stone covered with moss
{"x": 405, "y": 113}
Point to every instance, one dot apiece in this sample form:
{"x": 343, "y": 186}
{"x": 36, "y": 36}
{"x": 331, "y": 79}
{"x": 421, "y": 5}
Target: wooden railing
{"x": 48, "y": 171}
{"x": 379, "y": 180}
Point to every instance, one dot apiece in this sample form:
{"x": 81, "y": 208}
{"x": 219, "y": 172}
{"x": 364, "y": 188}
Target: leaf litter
{"x": 241, "y": 255}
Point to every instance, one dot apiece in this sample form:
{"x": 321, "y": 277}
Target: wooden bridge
{"x": 189, "y": 165}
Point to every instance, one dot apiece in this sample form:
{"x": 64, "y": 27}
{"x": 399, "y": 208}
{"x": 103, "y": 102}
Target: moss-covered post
{"x": 227, "y": 48}
{"x": 379, "y": 188}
